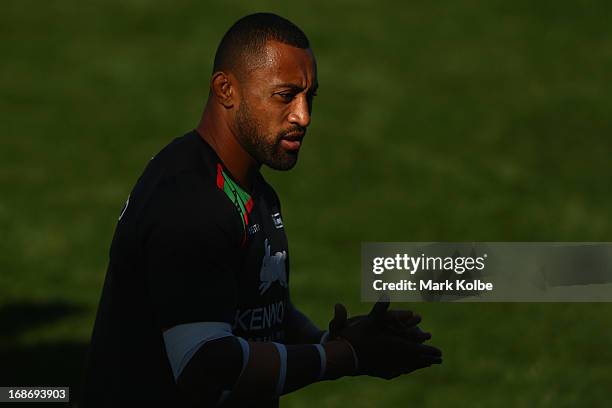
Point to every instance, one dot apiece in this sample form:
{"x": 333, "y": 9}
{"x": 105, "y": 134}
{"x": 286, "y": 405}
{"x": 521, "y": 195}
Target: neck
{"x": 219, "y": 135}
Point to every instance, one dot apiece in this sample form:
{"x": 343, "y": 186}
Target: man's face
{"x": 275, "y": 105}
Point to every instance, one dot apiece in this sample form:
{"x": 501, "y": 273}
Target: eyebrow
{"x": 295, "y": 87}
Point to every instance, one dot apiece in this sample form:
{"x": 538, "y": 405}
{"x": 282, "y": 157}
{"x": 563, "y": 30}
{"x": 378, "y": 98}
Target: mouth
{"x": 292, "y": 141}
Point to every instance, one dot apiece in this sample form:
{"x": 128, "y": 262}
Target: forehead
{"x": 284, "y": 63}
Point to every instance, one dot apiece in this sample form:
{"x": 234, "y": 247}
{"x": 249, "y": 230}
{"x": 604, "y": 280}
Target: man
{"x": 196, "y": 309}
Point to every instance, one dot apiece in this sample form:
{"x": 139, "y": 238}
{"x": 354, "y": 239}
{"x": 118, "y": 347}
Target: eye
{"x": 287, "y": 96}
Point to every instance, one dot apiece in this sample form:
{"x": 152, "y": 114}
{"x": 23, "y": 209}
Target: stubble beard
{"x": 263, "y": 148}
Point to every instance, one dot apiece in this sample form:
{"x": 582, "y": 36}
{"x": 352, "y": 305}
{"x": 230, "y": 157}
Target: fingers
{"x": 420, "y": 336}
{"x": 414, "y": 334}
{"x": 430, "y": 355}
{"x": 429, "y": 350}
{"x": 400, "y": 315}
{"x": 409, "y": 354}
{"x": 404, "y": 323}
{"x": 428, "y": 360}
{"x": 401, "y": 318}
{"x": 340, "y": 312}
{"x": 411, "y": 333}
{"x": 387, "y": 355}
{"x": 402, "y": 357}
{"x": 404, "y": 317}
{"x": 415, "y": 364}
{"x": 379, "y": 310}
{"x": 435, "y": 360}
{"x": 422, "y": 361}
{"x": 339, "y": 321}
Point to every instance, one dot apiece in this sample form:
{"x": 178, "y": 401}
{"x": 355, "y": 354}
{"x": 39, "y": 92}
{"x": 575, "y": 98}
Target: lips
{"x": 291, "y": 144}
{"x": 292, "y": 141}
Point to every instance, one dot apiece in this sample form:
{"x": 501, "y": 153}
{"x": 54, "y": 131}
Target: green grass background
{"x": 451, "y": 120}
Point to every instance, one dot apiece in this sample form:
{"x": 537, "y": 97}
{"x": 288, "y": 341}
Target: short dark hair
{"x": 248, "y": 37}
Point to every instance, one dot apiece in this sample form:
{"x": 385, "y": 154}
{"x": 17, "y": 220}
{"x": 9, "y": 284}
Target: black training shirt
{"x": 191, "y": 245}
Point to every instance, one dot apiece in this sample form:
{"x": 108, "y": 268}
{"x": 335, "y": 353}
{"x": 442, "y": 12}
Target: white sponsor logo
{"x": 260, "y": 317}
{"x": 272, "y": 269}
{"x": 254, "y": 229}
{"x": 278, "y": 221}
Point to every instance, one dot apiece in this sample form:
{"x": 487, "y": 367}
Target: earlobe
{"x": 222, "y": 88}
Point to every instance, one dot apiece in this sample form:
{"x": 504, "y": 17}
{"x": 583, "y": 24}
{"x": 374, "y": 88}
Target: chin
{"x": 285, "y": 163}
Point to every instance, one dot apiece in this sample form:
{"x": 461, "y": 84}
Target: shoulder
{"x": 183, "y": 195}
{"x": 185, "y": 153}
{"x": 268, "y": 192}
{"x": 182, "y": 155}
{"x": 191, "y": 201}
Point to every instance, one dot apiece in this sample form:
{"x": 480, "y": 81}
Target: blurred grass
{"x": 473, "y": 120}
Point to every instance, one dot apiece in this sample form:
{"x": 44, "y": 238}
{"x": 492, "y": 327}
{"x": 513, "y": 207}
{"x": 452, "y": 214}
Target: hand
{"x": 386, "y": 343}
{"x": 400, "y": 322}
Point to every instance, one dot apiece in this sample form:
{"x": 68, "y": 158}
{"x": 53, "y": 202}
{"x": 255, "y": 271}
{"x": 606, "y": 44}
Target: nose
{"x": 300, "y": 112}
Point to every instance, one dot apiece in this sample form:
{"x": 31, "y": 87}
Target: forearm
{"x": 303, "y": 365}
{"x": 271, "y": 370}
{"x": 300, "y": 329}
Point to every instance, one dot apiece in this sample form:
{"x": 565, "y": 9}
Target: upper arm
{"x": 189, "y": 255}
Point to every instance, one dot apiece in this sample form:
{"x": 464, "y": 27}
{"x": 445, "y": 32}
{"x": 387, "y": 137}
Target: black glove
{"x": 403, "y": 323}
{"x": 379, "y": 351}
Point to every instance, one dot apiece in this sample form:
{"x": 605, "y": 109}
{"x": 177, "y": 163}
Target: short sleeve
{"x": 190, "y": 254}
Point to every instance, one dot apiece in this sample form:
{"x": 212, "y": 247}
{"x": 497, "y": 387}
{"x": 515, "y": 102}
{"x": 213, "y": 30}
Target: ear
{"x": 222, "y": 87}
